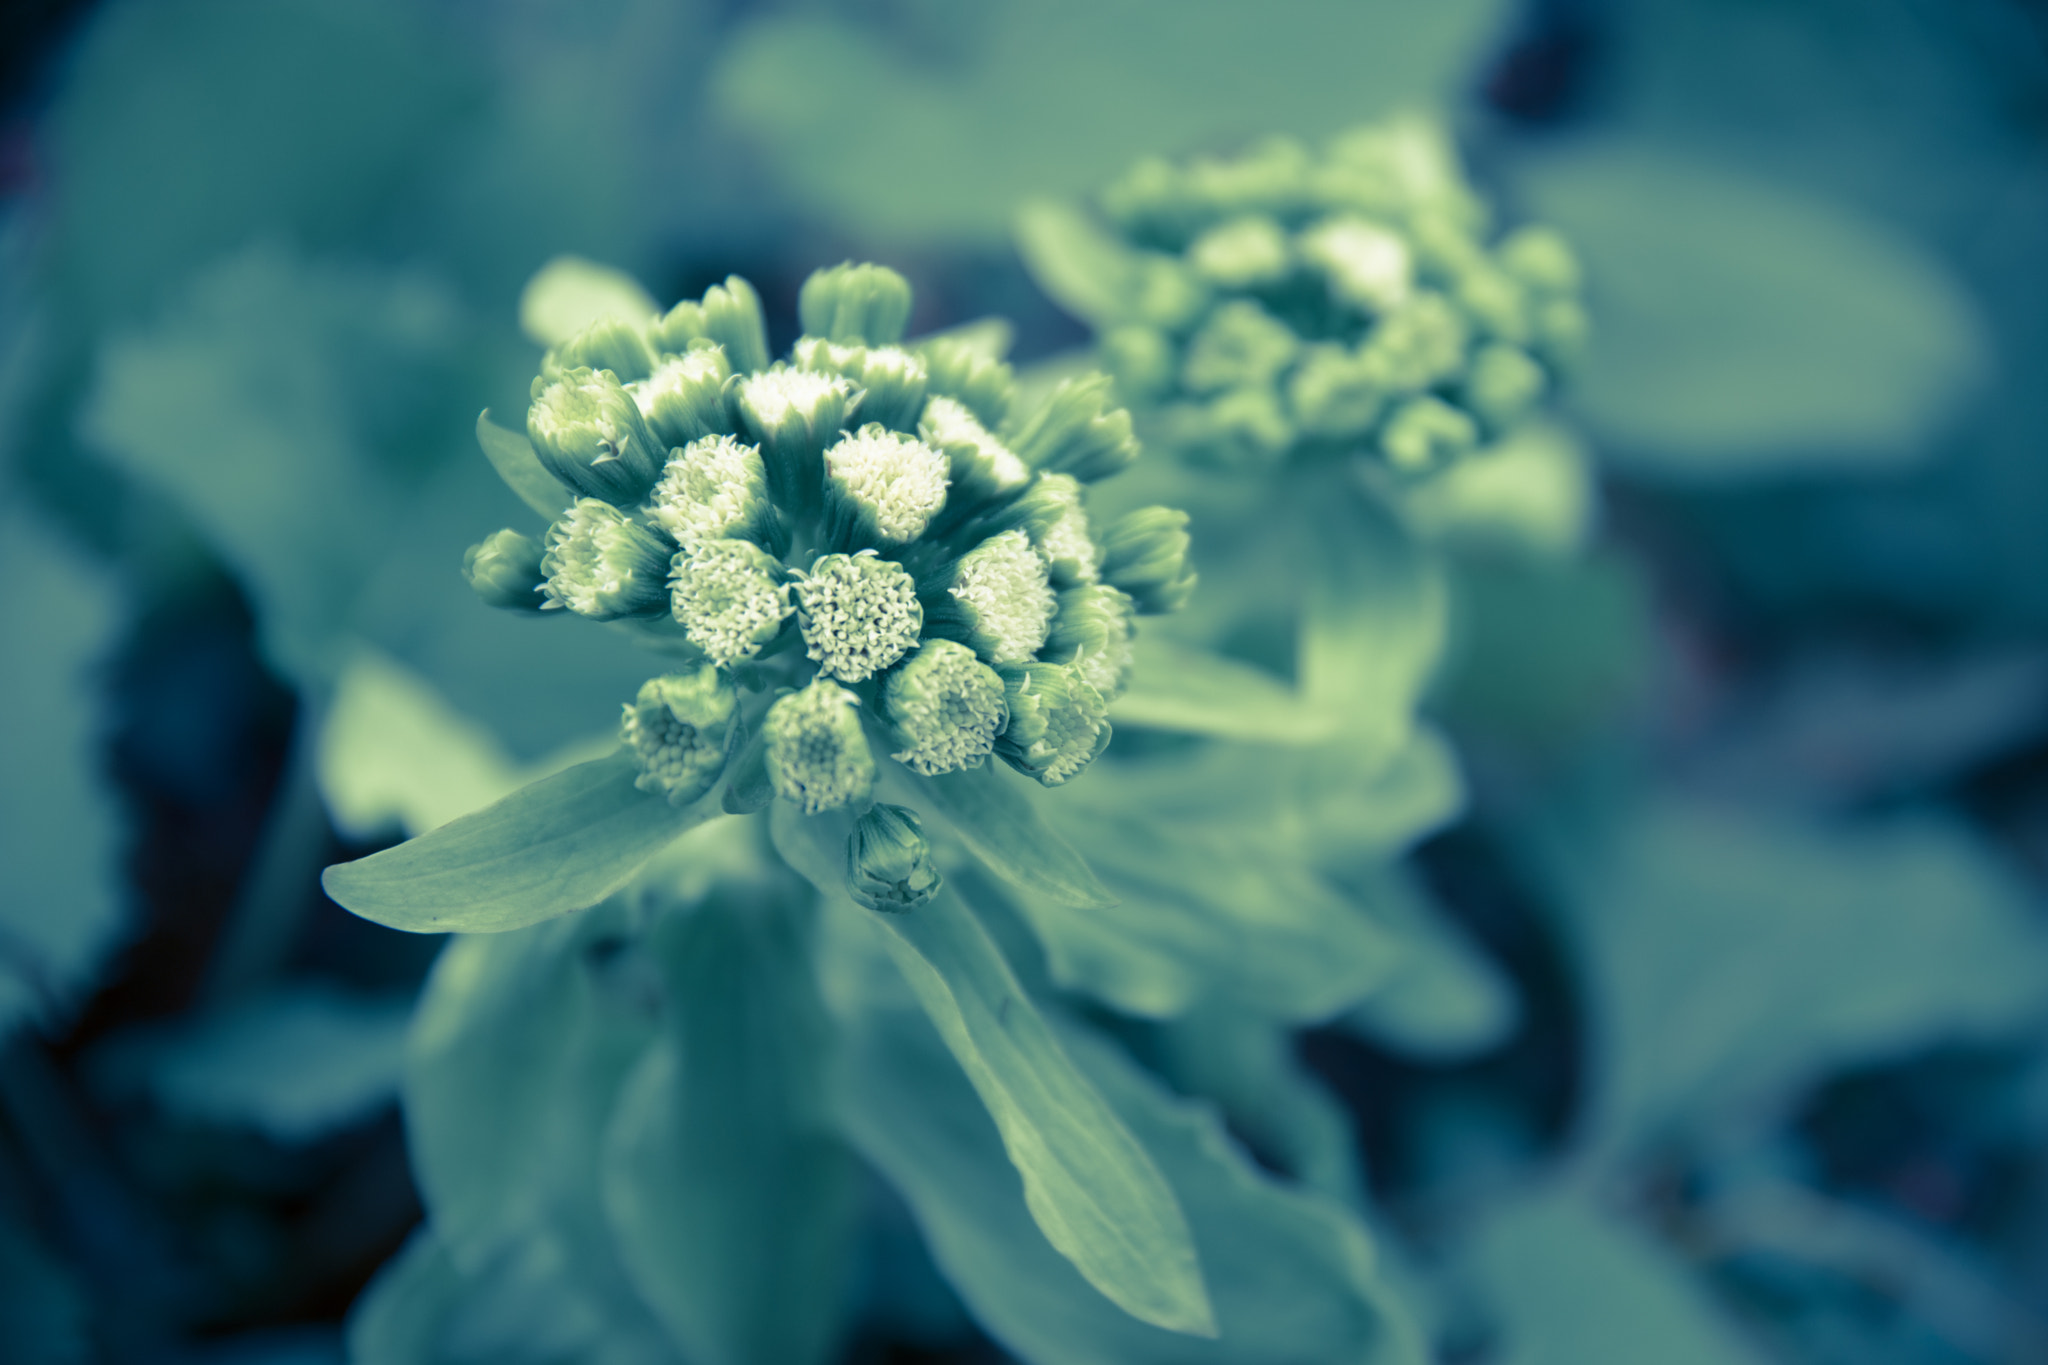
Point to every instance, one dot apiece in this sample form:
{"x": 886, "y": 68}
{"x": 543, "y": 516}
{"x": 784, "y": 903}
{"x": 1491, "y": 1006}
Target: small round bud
{"x": 1240, "y": 346}
{"x": 684, "y": 399}
{"x": 1091, "y": 634}
{"x": 716, "y": 488}
{"x": 860, "y": 303}
{"x": 882, "y": 487}
{"x": 603, "y": 564}
{"x": 980, "y": 469}
{"x": 680, "y": 728}
{"x": 590, "y": 434}
{"x": 888, "y": 863}
{"x": 1425, "y": 433}
{"x": 504, "y": 569}
{"x": 794, "y": 414}
{"x": 1244, "y": 253}
{"x": 1058, "y": 526}
{"x": 674, "y": 330}
{"x": 1145, "y": 553}
{"x": 1366, "y": 265}
{"x": 1540, "y": 258}
{"x": 1503, "y": 383}
{"x": 816, "y": 755}
{"x": 732, "y": 317}
{"x": 892, "y": 380}
{"x": 963, "y": 372}
{"x": 859, "y": 614}
{"x": 729, "y": 596}
{"x": 1077, "y": 432}
{"x": 609, "y": 343}
{"x": 999, "y": 600}
{"x": 1334, "y": 393}
{"x": 1562, "y": 329}
{"x": 1420, "y": 344}
{"x": 1244, "y": 429}
{"x": 1141, "y": 358}
{"x": 1058, "y": 723}
{"x": 1496, "y": 301}
{"x": 944, "y": 707}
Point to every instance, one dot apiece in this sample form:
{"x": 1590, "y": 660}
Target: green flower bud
{"x": 944, "y": 707}
{"x": 733, "y": 319}
{"x": 1426, "y": 433}
{"x": 1145, "y": 553}
{"x": 1366, "y": 265}
{"x": 1141, "y": 358}
{"x": 1091, "y": 635}
{"x": 1244, "y": 253}
{"x": 603, "y": 564}
{"x": 891, "y": 379}
{"x": 1503, "y": 383}
{"x": 590, "y": 434}
{"x": 1058, "y": 526}
{"x": 1334, "y": 393}
{"x": 881, "y": 487}
{"x": 1240, "y": 346}
{"x": 1077, "y": 432}
{"x": 1058, "y": 723}
{"x": 816, "y": 755}
{"x": 859, "y": 614}
{"x": 730, "y": 597}
{"x": 795, "y": 414}
{"x": 504, "y": 568}
{"x": 998, "y": 600}
{"x": 863, "y": 303}
{"x": 1492, "y": 298}
{"x": 1420, "y": 344}
{"x": 609, "y": 343}
{"x": 1245, "y": 429}
{"x": 674, "y": 330}
{"x": 980, "y": 470}
{"x": 888, "y": 863}
{"x": 962, "y": 371}
{"x": 1562, "y": 328}
{"x": 680, "y": 728}
{"x": 716, "y": 488}
{"x": 684, "y": 399}
{"x": 1540, "y": 258}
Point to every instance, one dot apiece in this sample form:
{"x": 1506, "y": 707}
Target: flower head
{"x": 1145, "y": 553}
{"x": 945, "y": 707}
{"x": 817, "y": 757}
{"x": 730, "y": 596}
{"x": 859, "y": 614}
{"x": 716, "y": 488}
{"x": 602, "y": 563}
{"x": 589, "y": 432}
{"x": 882, "y": 487}
{"x": 680, "y": 729}
{"x": 684, "y": 396}
{"x": 1058, "y": 722}
{"x": 998, "y": 599}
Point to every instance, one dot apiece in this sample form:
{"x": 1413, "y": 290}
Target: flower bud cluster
{"x": 868, "y": 544}
{"x": 1283, "y": 302}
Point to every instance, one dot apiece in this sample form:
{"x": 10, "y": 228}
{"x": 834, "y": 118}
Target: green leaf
{"x": 1444, "y": 999}
{"x": 1178, "y": 687}
{"x": 1291, "y": 1273}
{"x": 1199, "y": 917}
{"x": 1085, "y": 269}
{"x": 45, "y": 1314}
{"x": 1372, "y": 624}
{"x": 511, "y": 454}
{"x": 1090, "y": 1187}
{"x": 1000, "y": 824}
{"x": 732, "y": 1199}
{"x": 569, "y": 293}
{"x": 561, "y": 844}
{"x": 1746, "y": 327}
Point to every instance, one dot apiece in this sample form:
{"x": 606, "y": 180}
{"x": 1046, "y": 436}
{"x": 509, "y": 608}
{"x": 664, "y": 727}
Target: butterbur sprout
{"x": 889, "y": 865}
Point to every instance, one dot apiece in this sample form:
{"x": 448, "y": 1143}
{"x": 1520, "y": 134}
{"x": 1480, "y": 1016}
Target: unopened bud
{"x": 860, "y": 303}
{"x": 1145, "y": 553}
{"x": 816, "y": 755}
{"x": 680, "y": 728}
{"x": 963, "y": 372}
{"x": 716, "y": 488}
{"x": 1141, "y": 358}
{"x": 892, "y": 380}
{"x": 1244, "y": 429}
{"x": 944, "y": 707}
{"x": 1334, "y": 393}
{"x": 888, "y": 863}
{"x": 685, "y": 398}
{"x": 609, "y": 343}
{"x": 1058, "y": 526}
{"x": 998, "y": 600}
{"x": 589, "y": 433}
{"x": 603, "y": 564}
{"x": 730, "y": 597}
{"x": 1091, "y": 634}
{"x": 1503, "y": 383}
{"x": 1540, "y": 258}
{"x": 1420, "y": 344}
{"x": 1366, "y": 265}
{"x": 881, "y": 487}
{"x": 979, "y": 468}
{"x": 1244, "y": 253}
{"x": 1077, "y": 431}
{"x": 1240, "y": 346}
{"x": 504, "y": 569}
{"x": 1058, "y": 723}
{"x": 733, "y": 319}
{"x": 1426, "y": 433}
{"x": 795, "y": 414}
{"x": 859, "y": 614}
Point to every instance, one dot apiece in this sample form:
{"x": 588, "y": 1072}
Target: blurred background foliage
{"x": 1735, "y": 1046}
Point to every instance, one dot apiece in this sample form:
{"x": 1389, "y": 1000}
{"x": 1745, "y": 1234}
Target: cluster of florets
{"x": 865, "y": 532}
{"x": 1283, "y": 302}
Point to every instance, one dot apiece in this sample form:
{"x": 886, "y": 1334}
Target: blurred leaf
{"x": 1733, "y": 958}
{"x": 1443, "y": 999}
{"x": 1087, "y": 271}
{"x": 1745, "y": 327}
{"x": 294, "y": 1065}
{"x": 1200, "y": 917}
{"x": 1530, "y": 494}
{"x": 569, "y": 293}
{"x": 45, "y": 1317}
{"x": 995, "y": 817}
{"x": 560, "y": 844}
{"x": 1178, "y": 687}
{"x": 1052, "y": 97}
{"x": 1575, "y": 1287}
{"x": 511, "y": 454}
{"x": 61, "y": 909}
{"x": 731, "y": 1196}
{"x": 1092, "y": 1190}
{"x": 1291, "y": 1274}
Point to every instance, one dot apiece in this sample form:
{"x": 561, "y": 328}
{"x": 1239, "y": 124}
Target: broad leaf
{"x": 998, "y": 821}
{"x": 1090, "y": 1187}
{"x": 561, "y": 844}
{"x": 1443, "y": 999}
{"x": 569, "y": 293}
{"x": 730, "y": 1195}
{"x": 1178, "y": 687}
{"x": 1087, "y": 270}
{"x": 511, "y": 454}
